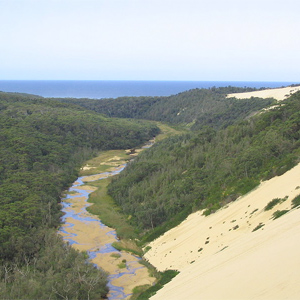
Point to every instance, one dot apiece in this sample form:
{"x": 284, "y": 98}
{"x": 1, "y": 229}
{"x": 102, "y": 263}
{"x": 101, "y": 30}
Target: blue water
{"x": 112, "y": 89}
{"x": 115, "y": 292}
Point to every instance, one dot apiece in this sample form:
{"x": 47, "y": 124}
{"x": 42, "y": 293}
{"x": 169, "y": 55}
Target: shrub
{"x": 166, "y": 276}
{"x": 260, "y": 225}
{"x": 279, "y": 213}
{"x": 296, "y": 202}
{"x": 274, "y": 202}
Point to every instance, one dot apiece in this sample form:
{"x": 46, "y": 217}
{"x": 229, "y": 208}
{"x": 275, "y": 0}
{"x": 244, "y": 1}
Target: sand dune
{"x": 278, "y": 94}
{"x": 220, "y": 257}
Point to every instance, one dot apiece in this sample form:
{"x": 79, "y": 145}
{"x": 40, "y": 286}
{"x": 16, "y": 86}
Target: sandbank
{"x": 220, "y": 257}
{"x": 278, "y": 94}
{"x": 86, "y": 233}
{"x": 102, "y": 175}
{"x": 130, "y": 280}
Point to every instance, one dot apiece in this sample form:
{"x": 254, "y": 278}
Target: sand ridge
{"x": 278, "y": 94}
{"x": 221, "y": 257}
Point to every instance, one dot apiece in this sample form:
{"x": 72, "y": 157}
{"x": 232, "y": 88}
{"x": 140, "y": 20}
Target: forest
{"x": 43, "y": 143}
{"x": 207, "y": 168}
{"x": 226, "y": 148}
{"x": 192, "y": 109}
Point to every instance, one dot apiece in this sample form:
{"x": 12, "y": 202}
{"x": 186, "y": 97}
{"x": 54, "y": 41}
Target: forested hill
{"x": 42, "y": 145}
{"x": 194, "y": 108}
{"x": 7, "y": 95}
{"x": 208, "y": 168}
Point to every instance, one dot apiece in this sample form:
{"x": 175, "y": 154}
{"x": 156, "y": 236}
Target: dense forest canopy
{"x": 42, "y": 145}
{"x": 194, "y": 108}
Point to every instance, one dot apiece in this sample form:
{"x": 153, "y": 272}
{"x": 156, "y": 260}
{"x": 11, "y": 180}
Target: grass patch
{"x": 122, "y": 264}
{"x": 138, "y": 290}
{"x": 128, "y": 246}
{"x": 223, "y": 248}
{"x": 104, "y": 161}
{"x": 274, "y": 202}
{"x": 115, "y": 255}
{"x": 165, "y": 277}
{"x": 146, "y": 249}
{"x": 296, "y": 202}
{"x": 211, "y": 209}
{"x": 260, "y": 225}
{"x": 152, "y": 270}
{"x": 108, "y": 211}
{"x": 167, "y": 131}
{"x": 255, "y": 210}
{"x": 279, "y": 213}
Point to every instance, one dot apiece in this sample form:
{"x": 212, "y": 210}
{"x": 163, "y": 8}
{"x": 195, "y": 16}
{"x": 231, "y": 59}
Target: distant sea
{"x": 112, "y": 89}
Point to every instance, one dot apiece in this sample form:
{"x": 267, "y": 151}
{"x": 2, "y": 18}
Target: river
{"x": 86, "y": 232}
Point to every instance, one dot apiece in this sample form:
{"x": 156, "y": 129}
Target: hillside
{"x": 202, "y": 179}
{"x": 214, "y": 171}
{"x": 43, "y": 143}
{"x": 245, "y": 250}
{"x": 207, "y": 169}
{"x": 194, "y": 108}
{"x": 239, "y": 252}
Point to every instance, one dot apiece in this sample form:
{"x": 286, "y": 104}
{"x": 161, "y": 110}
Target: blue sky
{"x": 234, "y": 40}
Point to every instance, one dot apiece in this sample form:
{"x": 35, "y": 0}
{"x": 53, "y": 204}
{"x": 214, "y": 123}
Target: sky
{"x": 201, "y": 40}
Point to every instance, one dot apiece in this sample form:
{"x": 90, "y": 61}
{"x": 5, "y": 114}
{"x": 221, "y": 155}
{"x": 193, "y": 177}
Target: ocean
{"x": 97, "y": 89}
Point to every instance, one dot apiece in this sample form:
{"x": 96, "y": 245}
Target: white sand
{"x": 236, "y": 263}
{"x": 278, "y": 94}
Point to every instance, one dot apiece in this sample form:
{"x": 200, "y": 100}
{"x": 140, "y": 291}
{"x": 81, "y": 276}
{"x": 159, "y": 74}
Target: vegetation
{"x": 279, "y": 213}
{"x": 42, "y": 145}
{"x": 107, "y": 210}
{"x": 122, "y": 264}
{"x": 165, "y": 277}
{"x": 296, "y": 201}
{"x": 260, "y": 225}
{"x": 56, "y": 272}
{"x": 206, "y": 169}
{"x": 194, "y": 108}
{"x": 274, "y": 202}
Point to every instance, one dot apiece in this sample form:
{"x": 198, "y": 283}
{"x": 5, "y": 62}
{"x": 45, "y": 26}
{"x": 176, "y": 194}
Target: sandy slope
{"x": 220, "y": 257}
{"x": 279, "y": 94}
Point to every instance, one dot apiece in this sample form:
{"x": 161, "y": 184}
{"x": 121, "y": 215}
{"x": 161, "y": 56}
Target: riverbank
{"x": 85, "y": 232}
{"x": 87, "y": 202}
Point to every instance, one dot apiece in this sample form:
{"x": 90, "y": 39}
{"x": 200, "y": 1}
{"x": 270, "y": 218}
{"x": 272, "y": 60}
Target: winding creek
{"x": 86, "y": 232}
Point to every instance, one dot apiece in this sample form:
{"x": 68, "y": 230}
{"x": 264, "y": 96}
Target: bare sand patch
{"x": 128, "y": 281}
{"x": 89, "y": 235}
{"x": 264, "y": 265}
{"x": 87, "y": 167}
{"x": 114, "y": 161}
{"x": 95, "y": 177}
{"x": 109, "y": 173}
{"x": 86, "y": 188}
{"x": 278, "y": 94}
{"x": 220, "y": 257}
